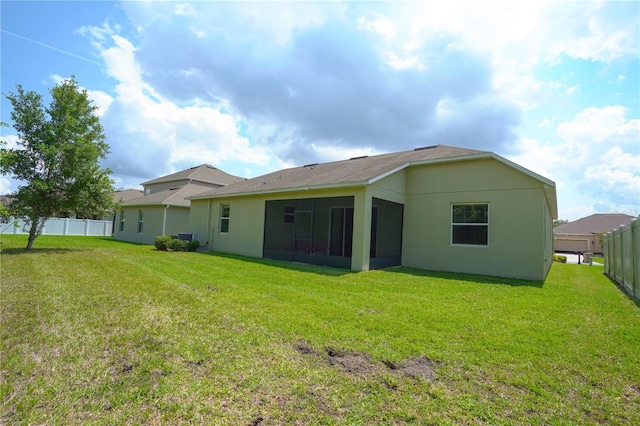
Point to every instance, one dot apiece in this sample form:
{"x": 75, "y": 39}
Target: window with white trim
{"x": 121, "y": 220}
{"x": 225, "y": 212}
{"x": 470, "y": 224}
{"x": 140, "y": 221}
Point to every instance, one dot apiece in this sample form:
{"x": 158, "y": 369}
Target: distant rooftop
{"x": 594, "y": 224}
{"x": 202, "y": 173}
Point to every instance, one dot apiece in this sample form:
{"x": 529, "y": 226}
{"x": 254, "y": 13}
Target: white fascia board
{"x": 388, "y": 173}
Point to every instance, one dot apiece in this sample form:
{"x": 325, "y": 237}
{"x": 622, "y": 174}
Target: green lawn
{"x": 96, "y": 331}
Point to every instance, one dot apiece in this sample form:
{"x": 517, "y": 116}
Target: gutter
{"x": 284, "y": 190}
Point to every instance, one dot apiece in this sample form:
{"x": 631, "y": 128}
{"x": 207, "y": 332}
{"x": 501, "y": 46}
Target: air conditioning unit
{"x": 185, "y": 236}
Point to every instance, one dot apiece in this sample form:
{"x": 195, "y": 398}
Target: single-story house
{"x": 583, "y": 235}
{"x": 163, "y": 208}
{"x": 437, "y": 207}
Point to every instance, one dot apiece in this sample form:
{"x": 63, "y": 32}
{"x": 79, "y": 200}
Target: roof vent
{"x": 358, "y": 158}
{"x": 310, "y": 165}
{"x": 426, "y": 147}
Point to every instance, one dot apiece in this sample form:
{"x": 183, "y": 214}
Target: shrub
{"x": 162, "y": 242}
{"x": 559, "y": 258}
{"x": 193, "y": 245}
{"x": 176, "y": 244}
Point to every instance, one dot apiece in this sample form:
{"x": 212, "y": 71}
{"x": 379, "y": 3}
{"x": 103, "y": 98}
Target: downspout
{"x": 164, "y": 220}
{"x": 209, "y": 230}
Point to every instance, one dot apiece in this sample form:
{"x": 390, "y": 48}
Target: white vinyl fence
{"x": 622, "y": 257}
{"x": 66, "y": 226}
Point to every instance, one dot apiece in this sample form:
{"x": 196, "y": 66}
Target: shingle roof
{"x": 126, "y": 195}
{"x": 358, "y": 170}
{"x": 6, "y": 200}
{"x": 596, "y": 223}
{"x": 175, "y": 196}
{"x": 203, "y": 173}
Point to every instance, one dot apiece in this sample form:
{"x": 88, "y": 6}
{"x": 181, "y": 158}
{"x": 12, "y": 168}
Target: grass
{"x": 96, "y": 331}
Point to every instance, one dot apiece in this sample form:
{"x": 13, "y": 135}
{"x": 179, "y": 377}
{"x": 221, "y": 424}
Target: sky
{"x": 253, "y": 87}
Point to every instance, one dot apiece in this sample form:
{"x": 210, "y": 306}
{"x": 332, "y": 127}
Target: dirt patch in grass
{"x": 361, "y": 364}
{"x": 417, "y": 367}
{"x": 352, "y": 362}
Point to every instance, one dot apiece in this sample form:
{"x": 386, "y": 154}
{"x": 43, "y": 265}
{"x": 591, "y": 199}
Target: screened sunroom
{"x": 320, "y": 231}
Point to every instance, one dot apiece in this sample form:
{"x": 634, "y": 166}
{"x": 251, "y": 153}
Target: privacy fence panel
{"x": 66, "y": 226}
{"x": 622, "y": 257}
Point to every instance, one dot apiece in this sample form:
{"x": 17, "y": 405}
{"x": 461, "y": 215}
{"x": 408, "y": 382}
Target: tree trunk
{"x": 37, "y": 224}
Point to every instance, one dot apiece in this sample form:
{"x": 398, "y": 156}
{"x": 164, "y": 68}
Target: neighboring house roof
{"x": 123, "y": 195}
{"x": 362, "y": 171}
{"x": 594, "y": 224}
{"x": 202, "y": 173}
{"x": 6, "y": 200}
{"x": 169, "y": 197}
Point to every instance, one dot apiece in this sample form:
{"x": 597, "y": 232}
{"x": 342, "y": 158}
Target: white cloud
{"x": 618, "y": 172}
{"x": 6, "y": 186}
{"x": 576, "y": 161}
{"x": 603, "y": 41}
{"x": 598, "y": 125}
{"x": 382, "y": 26}
{"x": 571, "y": 90}
{"x": 101, "y": 100}
{"x": 11, "y": 140}
{"x": 150, "y": 135}
{"x": 184, "y": 9}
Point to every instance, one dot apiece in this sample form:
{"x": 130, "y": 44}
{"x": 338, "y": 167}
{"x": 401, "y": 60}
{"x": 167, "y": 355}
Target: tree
{"x": 57, "y": 158}
{"x": 559, "y": 222}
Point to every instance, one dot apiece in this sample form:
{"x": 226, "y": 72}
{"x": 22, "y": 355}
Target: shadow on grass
{"x": 290, "y": 266}
{"x": 40, "y": 250}
{"x": 114, "y": 241}
{"x": 482, "y": 279}
{"x": 330, "y": 271}
{"x": 627, "y": 292}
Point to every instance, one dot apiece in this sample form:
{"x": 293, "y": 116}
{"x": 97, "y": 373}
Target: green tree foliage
{"x": 58, "y": 156}
{"x": 559, "y": 222}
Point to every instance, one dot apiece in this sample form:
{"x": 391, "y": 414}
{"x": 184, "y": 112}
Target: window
{"x": 470, "y": 224}
{"x": 140, "y": 221}
{"x": 225, "y": 210}
{"x": 121, "y": 220}
{"x": 289, "y": 214}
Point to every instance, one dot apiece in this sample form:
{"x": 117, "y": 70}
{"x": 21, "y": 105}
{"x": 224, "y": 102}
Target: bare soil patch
{"x": 352, "y": 362}
{"x": 417, "y": 367}
{"x": 361, "y": 364}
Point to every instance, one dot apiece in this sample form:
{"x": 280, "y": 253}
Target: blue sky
{"x": 251, "y": 87}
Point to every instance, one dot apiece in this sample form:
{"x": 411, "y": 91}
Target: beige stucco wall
{"x": 519, "y": 229}
{"x": 390, "y": 188}
{"x": 177, "y": 220}
{"x": 246, "y": 224}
